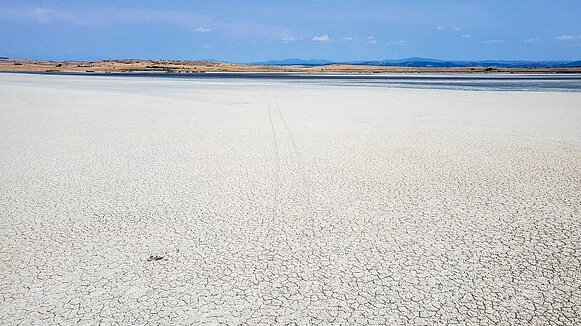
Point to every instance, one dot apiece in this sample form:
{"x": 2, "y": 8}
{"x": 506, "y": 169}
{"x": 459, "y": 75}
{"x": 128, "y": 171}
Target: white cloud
{"x": 291, "y": 38}
{"x": 532, "y": 40}
{"x": 371, "y": 40}
{"x": 567, "y": 37}
{"x": 322, "y": 38}
{"x": 400, "y": 43}
{"x": 203, "y": 29}
{"x": 348, "y": 38}
{"x": 494, "y": 41}
{"x": 443, "y": 28}
{"x": 466, "y": 36}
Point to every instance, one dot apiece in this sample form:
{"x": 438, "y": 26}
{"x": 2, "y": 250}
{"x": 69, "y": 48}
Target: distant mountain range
{"x": 427, "y": 62}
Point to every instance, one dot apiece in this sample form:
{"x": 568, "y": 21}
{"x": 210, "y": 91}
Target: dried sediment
{"x": 274, "y": 203}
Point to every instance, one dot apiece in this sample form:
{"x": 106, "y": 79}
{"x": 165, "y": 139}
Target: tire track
{"x": 290, "y": 135}
{"x": 277, "y": 161}
{"x": 275, "y": 141}
{"x": 300, "y": 163}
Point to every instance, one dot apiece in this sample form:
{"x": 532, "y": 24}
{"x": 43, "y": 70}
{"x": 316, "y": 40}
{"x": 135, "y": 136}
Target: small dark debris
{"x": 155, "y": 258}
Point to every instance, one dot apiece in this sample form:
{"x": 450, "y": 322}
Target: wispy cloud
{"x": 443, "y": 28}
{"x": 532, "y": 40}
{"x": 371, "y": 40}
{"x": 46, "y": 16}
{"x": 466, "y": 36}
{"x": 322, "y": 38}
{"x": 289, "y": 37}
{"x": 348, "y": 39}
{"x": 103, "y": 16}
{"x": 398, "y": 43}
{"x": 494, "y": 41}
{"x": 568, "y": 37}
{"x": 108, "y": 17}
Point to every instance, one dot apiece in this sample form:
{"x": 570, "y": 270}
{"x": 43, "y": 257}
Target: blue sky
{"x": 253, "y": 30}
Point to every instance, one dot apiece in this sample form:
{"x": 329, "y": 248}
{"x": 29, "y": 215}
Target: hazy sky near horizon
{"x": 254, "y": 30}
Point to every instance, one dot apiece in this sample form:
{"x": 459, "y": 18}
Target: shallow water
{"x": 471, "y": 82}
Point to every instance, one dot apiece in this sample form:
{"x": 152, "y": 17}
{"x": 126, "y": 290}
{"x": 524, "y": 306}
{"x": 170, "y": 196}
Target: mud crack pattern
{"x": 153, "y": 201}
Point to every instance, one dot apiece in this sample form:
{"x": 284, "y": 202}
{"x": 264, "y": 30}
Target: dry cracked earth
{"x": 161, "y": 201}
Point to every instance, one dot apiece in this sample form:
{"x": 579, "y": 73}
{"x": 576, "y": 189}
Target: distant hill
{"x": 415, "y": 62}
{"x": 409, "y": 65}
{"x": 573, "y": 64}
{"x": 424, "y": 62}
{"x": 294, "y": 62}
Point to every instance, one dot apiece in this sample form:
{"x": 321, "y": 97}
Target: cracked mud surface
{"x": 276, "y": 203}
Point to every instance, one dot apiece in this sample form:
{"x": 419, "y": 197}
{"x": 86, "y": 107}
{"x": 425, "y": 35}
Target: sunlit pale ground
{"x": 163, "y": 201}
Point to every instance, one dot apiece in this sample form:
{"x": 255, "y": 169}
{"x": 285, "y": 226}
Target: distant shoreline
{"x": 570, "y": 82}
{"x": 199, "y": 67}
{"x": 449, "y": 75}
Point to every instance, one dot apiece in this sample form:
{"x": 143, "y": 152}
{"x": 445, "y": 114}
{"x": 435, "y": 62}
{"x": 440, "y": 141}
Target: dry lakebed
{"x": 136, "y": 200}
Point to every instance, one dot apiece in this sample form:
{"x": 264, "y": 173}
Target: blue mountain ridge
{"x": 427, "y": 62}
